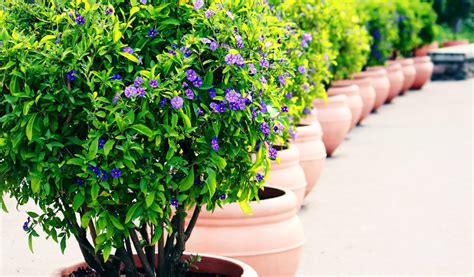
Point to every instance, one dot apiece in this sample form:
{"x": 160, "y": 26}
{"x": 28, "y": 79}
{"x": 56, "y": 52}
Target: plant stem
{"x": 130, "y": 268}
{"x": 161, "y": 257}
{"x": 192, "y": 222}
{"x": 136, "y": 243}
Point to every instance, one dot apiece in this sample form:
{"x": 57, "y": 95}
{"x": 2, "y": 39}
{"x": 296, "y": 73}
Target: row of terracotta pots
{"x": 271, "y": 240}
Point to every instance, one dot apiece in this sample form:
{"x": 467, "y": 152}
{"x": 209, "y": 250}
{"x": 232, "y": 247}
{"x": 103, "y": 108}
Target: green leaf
{"x": 131, "y": 212}
{"x": 211, "y": 182}
{"x": 94, "y": 191}
{"x": 116, "y": 32}
{"x": 29, "y": 127}
{"x": 75, "y": 161}
{"x": 78, "y": 201}
{"x": 149, "y": 199}
{"x": 35, "y": 183}
{"x": 129, "y": 56}
{"x": 30, "y": 242}
{"x": 187, "y": 182}
{"x": 221, "y": 162}
{"x": 2, "y": 203}
{"x": 108, "y": 146}
{"x": 27, "y": 106}
{"x": 63, "y": 244}
{"x": 245, "y": 207}
{"x": 106, "y": 251}
{"x": 116, "y": 222}
{"x": 134, "y": 10}
{"x": 207, "y": 82}
{"x": 93, "y": 148}
{"x": 85, "y": 219}
{"x": 186, "y": 120}
{"x": 157, "y": 235}
{"x": 32, "y": 214}
{"x": 47, "y": 38}
{"x": 170, "y": 21}
{"x": 142, "y": 129}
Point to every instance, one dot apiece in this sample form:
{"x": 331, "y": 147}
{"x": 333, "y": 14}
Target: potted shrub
{"x": 380, "y": 20}
{"x": 451, "y": 14}
{"x": 429, "y": 29}
{"x": 119, "y": 119}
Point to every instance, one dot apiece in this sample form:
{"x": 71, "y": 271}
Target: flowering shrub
{"x": 427, "y": 18}
{"x": 118, "y": 118}
{"x": 409, "y": 27}
{"x": 349, "y": 38}
{"x": 314, "y": 55}
{"x": 381, "y": 21}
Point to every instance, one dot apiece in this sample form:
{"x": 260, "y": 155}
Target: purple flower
{"x": 284, "y": 109}
{"x": 104, "y": 175}
{"x": 264, "y": 63}
{"x": 214, "y": 45}
{"x": 263, "y": 80}
{"x": 230, "y": 15}
{"x": 174, "y": 202}
{"x": 198, "y": 4}
{"x": 265, "y": 128}
{"x": 268, "y": 44}
{"x": 116, "y": 97}
{"x": 187, "y": 52}
{"x": 232, "y": 96}
{"x": 254, "y": 113}
{"x": 307, "y": 37}
{"x": 191, "y": 75}
{"x": 116, "y": 77}
{"x": 152, "y": 32}
{"x": 209, "y": 13}
{"x": 198, "y": 82}
{"x": 215, "y": 143}
{"x": 80, "y": 20}
{"x": 218, "y": 107}
{"x": 95, "y": 169}
{"x": 101, "y": 143}
{"x": 109, "y": 10}
{"x": 240, "y": 44}
{"x": 305, "y": 87}
{"x": 223, "y": 196}
{"x": 292, "y": 133}
{"x": 80, "y": 182}
{"x": 71, "y": 75}
{"x": 163, "y": 101}
{"x": 263, "y": 107}
{"x": 238, "y": 38}
{"x": 127, "y": 49}
{"x": 289, "y": 95}
{"x": 141, "y": 92}
{"x": 172, "y": 52}
{"x": 143, "y": 2}
{"x": 261, "y": 37}
{"x": 177, "y": 102}
{"x": 115, "y": 173}
{"x": 252, "y": 69}
{"x": 301, "y": 69}
{"x": 25, "y": 224}
{"x": 199, "y": 111}
{"x": 190, "y": 94}
{"x": 130, "y": 91}
{"x": 259, "y": 177}
{"x": 153, "y": 83}
{"x": 230, "y": 59}
{"x": 306, "y": 111}
{"x": 138, "y": 81}
{"x": 239, "y": 60}
{"x": 212, "y": 92}
{"x": 272, "y": 153}
{"x": 205, "y": 40}
{"x": 282, "y": 80}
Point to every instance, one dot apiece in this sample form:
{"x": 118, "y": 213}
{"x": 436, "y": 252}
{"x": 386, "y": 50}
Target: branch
{"x": 92, "y": 231}
{"x": 130, "y": 269}
{"x": 161, "y": 257}
{"x": 192, "y": 222}
{"x": 136, "y": 243}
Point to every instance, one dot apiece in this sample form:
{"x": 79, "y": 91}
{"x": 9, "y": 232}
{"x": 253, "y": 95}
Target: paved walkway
{"x": 397, "y": 196}
{"x": 395, "y": 199}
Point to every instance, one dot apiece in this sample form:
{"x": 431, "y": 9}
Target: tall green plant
{"x": 381, "y": 21}
{"x": 117, "y": 118}
{"x": 427, "y": 17}
{"x": 453, "y": 12}
{"x": 408, "y": 26}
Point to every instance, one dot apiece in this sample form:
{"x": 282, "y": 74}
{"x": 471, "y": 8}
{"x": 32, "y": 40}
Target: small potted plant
{"x": 119, "y": 119}
{"x": 451, "y": 14}
{"x": 429, "y": 29}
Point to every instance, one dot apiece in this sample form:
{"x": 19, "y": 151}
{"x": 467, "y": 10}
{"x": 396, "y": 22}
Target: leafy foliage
{"x": 409, "y": 26}
{"x": 427, "y": 17}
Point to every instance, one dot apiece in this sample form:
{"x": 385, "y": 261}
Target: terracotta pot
{"x": 208, "y": 264}
{"x": 451, "y": 43}
{"x": 288, "y": 174}
{"x": 335, "y": 118}
{"x": 270, "y": 240}
{"x": 311, "y": 118}
{"x": 354, "y": 100}
{"x": 396, "y": 79}
{"x": 379, "y": 78}
{"x": 366, "y": 91}
{"x": 424, "y": 70}
{"x": 309, "y": 141}
{"x": 423, "y": 51}
{"x": 409, "y": 72}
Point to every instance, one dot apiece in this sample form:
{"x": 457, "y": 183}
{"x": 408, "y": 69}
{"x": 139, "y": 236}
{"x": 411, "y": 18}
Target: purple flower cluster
{"x": 218, "y": 107}
{"x": 252, "y": 69}
{"x": 127, "y": 49}
{"x": 236, "y": 102}
{"x": 101, "y": 143}
{"x": 209, "y": 13}
{"x": 194, "y": 78}
{"x": 259, "y": 177}
{"x": 234, "y": 59}
{"x": 132, "y": 91}
{"x": 265, "y": 128}
{"x": 198, "y": 4}
{"x": 116, "y": 77}
{"x": 238, "y": 41}
{"x": 281, "y": 79}
{"x": 264, "y": 63}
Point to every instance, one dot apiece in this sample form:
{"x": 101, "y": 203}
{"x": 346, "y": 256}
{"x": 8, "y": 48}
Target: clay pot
{"x": 309, "y": 141}
{"x": 409, "y": 72}
{"x": 423, "y": 51}
{"x": 424, "y": 70}
{"x": 379, "y": 78}
{"x": 270, "y": 240}
{"x": 335, "y": 118}
{"x": 451, "y": 43}
{"x": 354, "y": 100}
{"x": 366, "y": 91}
{"x": 396, "y": 79}
{"x": 288, "y": 174}
{"x": 311, "y": 118}
{"x": 209, "y": 264}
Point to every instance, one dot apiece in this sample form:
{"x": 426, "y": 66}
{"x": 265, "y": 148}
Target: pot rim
{"x": 336, "y": 99}
{"x": 245, "y": 269}
{"x": 375, "y": 73}
{"x": 345, "y": 90}
{"x": 348, "y": 82}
